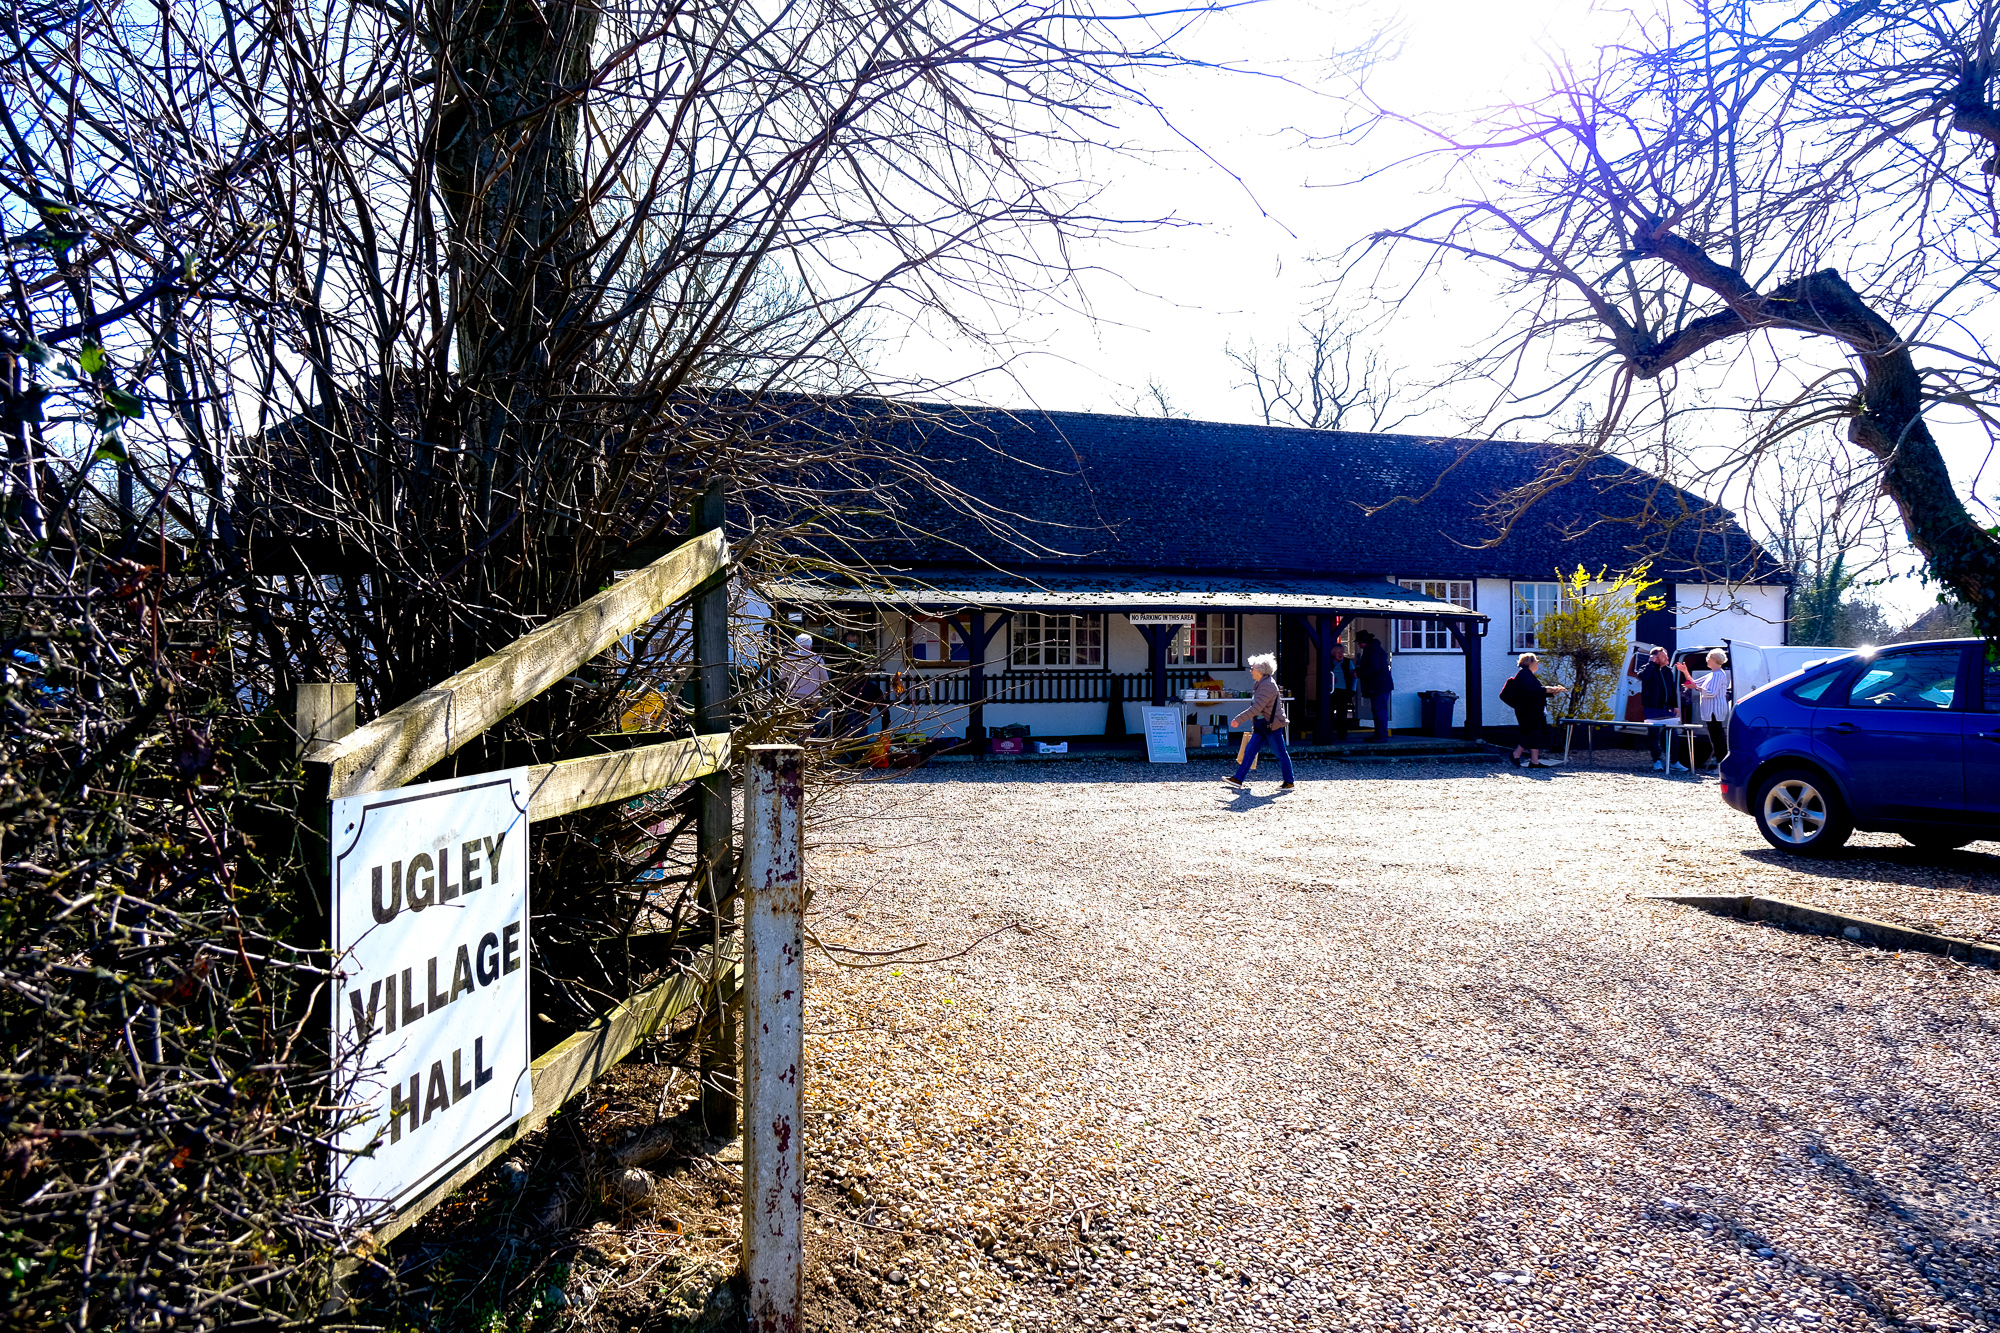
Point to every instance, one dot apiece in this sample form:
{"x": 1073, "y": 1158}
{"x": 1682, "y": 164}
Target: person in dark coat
{"x": 1343, "y": 689}
{"x": 1660, "y": 697}
{"x": 1528, "y": 697}
{"x": 1376, "y": 682}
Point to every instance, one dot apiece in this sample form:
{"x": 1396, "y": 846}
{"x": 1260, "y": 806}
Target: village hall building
{"x": 1145, "y": 554}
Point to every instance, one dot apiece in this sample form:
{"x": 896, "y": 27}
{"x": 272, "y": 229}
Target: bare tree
{"x": 1826, "y": 520}
{"x": 1154, "y": 400}
{"x": 1329, "y": 378}
{"x": 1784, "y": 207}
{"x": 348, "y": 341}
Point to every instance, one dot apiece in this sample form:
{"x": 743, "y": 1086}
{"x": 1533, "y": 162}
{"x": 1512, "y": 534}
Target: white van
{"x": 1752, "y": 666}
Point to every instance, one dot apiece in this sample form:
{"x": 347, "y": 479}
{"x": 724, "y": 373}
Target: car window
{"x": 1991, "y": 687}
{"x": 1810, "y": 691}
{"x": 1923, "y": 679}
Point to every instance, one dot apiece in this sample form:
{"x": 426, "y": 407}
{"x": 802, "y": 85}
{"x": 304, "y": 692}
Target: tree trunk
{"x": 1890, "y": 425}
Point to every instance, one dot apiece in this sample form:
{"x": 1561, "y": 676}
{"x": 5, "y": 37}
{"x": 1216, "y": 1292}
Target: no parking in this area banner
{"x": 430, "y": 1004}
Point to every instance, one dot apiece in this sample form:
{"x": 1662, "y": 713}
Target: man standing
{"x": 1376, "y": 681}
{"x": 1660, "y": 697}
{"x": 1342, "y": 702}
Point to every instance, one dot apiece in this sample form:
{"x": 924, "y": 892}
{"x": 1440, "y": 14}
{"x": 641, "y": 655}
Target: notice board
{"x": 430, "y": 1002}
{"x": 1166, "y": 735}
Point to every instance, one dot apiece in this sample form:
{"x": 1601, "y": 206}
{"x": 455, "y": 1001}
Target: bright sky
{"x": 1163, "y": 306}
{"x": 1257, "y": 206}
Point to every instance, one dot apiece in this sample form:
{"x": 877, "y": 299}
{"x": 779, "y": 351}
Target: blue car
{"x": 1904, "y": 739}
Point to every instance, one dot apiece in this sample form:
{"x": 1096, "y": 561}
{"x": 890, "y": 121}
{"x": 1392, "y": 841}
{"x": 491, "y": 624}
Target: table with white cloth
{"x": 1688, "y": 729}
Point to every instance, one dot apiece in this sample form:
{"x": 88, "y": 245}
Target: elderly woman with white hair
{"x": 1268, "y": 720}
{"x": 1712, "y": 703}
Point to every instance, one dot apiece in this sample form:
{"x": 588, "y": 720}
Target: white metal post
{"x": 773, "y": 1050}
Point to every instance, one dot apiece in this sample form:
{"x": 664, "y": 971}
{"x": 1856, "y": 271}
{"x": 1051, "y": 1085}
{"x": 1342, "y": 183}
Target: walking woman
{"x": 1267, "y": 721}
{"x": 1529, "y": 699}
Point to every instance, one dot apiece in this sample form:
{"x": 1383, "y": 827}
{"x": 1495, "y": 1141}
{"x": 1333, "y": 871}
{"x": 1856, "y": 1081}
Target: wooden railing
{"x": 945, "y": 688}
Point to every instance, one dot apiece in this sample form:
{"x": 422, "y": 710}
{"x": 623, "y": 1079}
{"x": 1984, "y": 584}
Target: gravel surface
{"x": 1409, "y": 1048}
{"x": 1879, "y": 875}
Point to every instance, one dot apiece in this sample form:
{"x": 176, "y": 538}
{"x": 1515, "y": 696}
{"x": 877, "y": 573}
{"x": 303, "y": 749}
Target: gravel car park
{"x": 1415, "y": 1047}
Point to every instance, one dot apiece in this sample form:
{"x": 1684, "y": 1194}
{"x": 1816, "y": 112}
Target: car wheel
{"x": 1799, "y": 812}
{"x": 1939, "y": 840}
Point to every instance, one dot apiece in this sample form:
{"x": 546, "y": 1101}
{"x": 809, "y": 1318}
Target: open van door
{"x": 1634, "y": 709}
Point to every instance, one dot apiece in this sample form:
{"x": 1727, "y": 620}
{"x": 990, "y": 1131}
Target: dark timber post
{"x": 714, "y": 820}
{"x": 975, "y": 683}
{"x": 1158, "y": 639}
{"x": 1326, "y": 629}
{"x": 978, "y": 636}
{"x": 1467, "y": 634}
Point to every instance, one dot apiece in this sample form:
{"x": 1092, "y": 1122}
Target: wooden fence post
{"x": 773, "y": 1037}
{"x": 323, "y": 711}
{"x": 715, "y": 823}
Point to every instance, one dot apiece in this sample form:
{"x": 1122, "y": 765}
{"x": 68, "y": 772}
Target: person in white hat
{"x": 803, "y": 672}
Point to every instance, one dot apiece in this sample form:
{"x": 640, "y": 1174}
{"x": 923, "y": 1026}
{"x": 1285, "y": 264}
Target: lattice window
{"x": 1213, "y": 640}
{"x": 1427, "y": 636}
{"x": 1044, "y": 639}
{"x": 935, "y": 642}
{"x": 1532, "y": 601}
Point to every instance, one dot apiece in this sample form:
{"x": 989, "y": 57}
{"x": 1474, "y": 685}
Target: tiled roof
{"x": 940, "y": 588}
{"x": 1121, "y": 492}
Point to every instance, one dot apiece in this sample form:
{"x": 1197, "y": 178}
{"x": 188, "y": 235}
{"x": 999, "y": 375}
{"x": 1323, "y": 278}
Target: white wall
{"x": 1707, "y": 614}
{"x": 1710, "y": 613}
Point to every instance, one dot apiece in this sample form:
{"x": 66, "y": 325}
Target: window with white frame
{"x": 1045, "y": 639}
{"x": 1533, "y": 601}
{"x": 936, "y": 642}
{"x": 1211, "y": 641}
{"x": 1428, "y": 636}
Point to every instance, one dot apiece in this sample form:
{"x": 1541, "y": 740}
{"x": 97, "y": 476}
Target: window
{"x": 1532, "y": 601}
{"x": 1209, "y": 642}
{"x": 1924, "y": 679}
{"x": 1426, "y": 636}
{"x": 1046, "y": 640}
{"x": 934, "y": 642}
{"x": 1813, "y": 689}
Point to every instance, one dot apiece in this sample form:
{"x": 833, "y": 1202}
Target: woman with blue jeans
{"x": 1267, "y": 721}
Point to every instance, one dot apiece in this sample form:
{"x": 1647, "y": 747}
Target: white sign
{"x": 1166, "y": 735}
{"x": 430, "y": 1007}
{"x": 1160, "y": 617}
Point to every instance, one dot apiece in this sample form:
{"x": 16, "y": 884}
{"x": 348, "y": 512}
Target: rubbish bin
{"x": 1438, "y": 708}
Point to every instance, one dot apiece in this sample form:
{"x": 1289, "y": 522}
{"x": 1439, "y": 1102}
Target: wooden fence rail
{"x": 344, "y": 760}
{"x": 407, "y": 740}
{"x": 572, "y": 1066}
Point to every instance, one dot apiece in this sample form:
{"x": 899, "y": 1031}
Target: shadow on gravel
{"x": 1924, "y": 1216}
{"x": 1894, "y": 865}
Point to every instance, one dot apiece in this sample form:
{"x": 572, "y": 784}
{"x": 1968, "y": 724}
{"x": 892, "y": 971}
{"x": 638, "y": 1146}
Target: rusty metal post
{"x": 715, "y": 832}
{"x": 773, "y": 1037}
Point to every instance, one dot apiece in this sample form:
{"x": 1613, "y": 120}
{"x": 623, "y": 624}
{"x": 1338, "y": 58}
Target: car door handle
{"x": 1989, "y": 736}
{"x": 1843, "y": 728}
